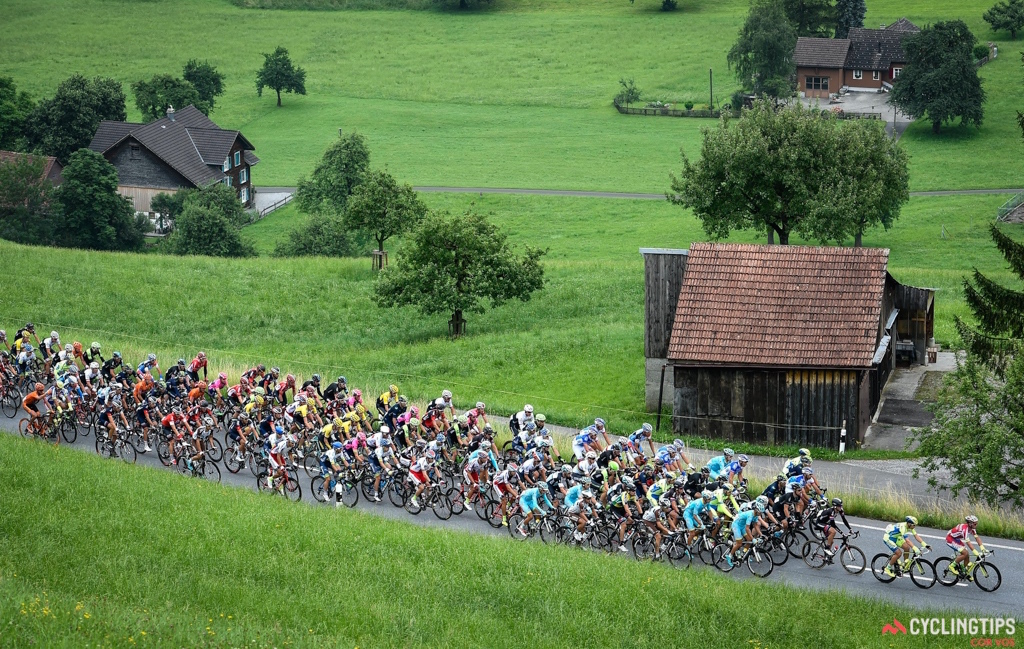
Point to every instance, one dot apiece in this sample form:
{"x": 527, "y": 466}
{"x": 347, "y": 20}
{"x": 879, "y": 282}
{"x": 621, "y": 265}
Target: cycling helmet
{"x": 3, "y": 334}
{"x": 566, "y": 469}
{"x": 402, "y": 400}
{"x": 68, "y": 348}
{"x": 543, "y": 486}
{"x": 151, "y": 401}
{"x": 911, "y": 521}
{"x": 728, "y": 452}
{"x": 414, "y": 422}
{"x": 808, "y": 471}
{"x": 762, "y": 499}
{"x": 261, "y": 368}
{"x": 385, "y": 441}
{"x": 758, "y": 506}
{"x": 40, "y": 387}
{"x": 488, "y": 428}
{"x": 591, "y": 455}
{"x": 613, "y": 467}
{"x": 679, "y": 482}
{"x": 54, "y": 335}
{"x": 116, "y": 387}
{"x": 77, "y": 346}
{"x": 337, "y": 446}
{"x": 361, "y": 436}
{"x": 244, "y": 418}
{"x": 31, "y": 327}
{"x": 705, "y": 470}
{"x": 804, "y": 452}
{"x": 679, "y": 444}
{"x": 970, "y": 519}
{"x": 301, "y": 398}
{"x": 201, "y": 355}
{"x": 588, "y": 494}
{"x": 341, "y": 379}
{"x": 743, "y": 458}
{"x": 357, "y": 393}
{"x": 647, "y": 428}
{"x": 178, "y": 411}
{"x": 202, "y": 385}
{"x": 837, "y": 502}
{"x": 95, "y": 347}
{"x": 599, "y": 423}
{"x": 181, "y": 361}
{"x": 277, "y": 411}
{"x": 315, "y": 378}
{"x": 627, "y": 482}
{"x": 805, "y": 460}
{"x": 530, "y": 427}
{"x": 528, "y": 409}
{"x": 540, "y": 419}
{"x": 258, "y": 391}
{"x": 439, "y": 402}
{"x": 585, "y": 481}
{"x": 290, "y": 379}
{"x": 665, "y": 501}
{"x": 223, "y": 376}
{"x": 393, "y": 389}
{"x": 544, "y": 443}
{"x": 116, "y": 355}
{"x": 94, "y": 365}
{"x": 446, "y": 394}
{"x": 151, "y": 358}
{"x": 385, "y": 430}
{"x": 440, "y": 438}
{"x": 480, "y": 405}
{"x": 337, "y": 421}
{"x": 420, "y": 443}
{"x": 73, "y": 370}
{"x": 275, "y": 371}
{"x": 430, "y": 455}
{"x": 780, "y": 478}
{"x": 512, "y": 466}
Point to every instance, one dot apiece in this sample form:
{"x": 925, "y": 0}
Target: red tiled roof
{"x": 779, "y": 305}
{"x": 48, "y": 168}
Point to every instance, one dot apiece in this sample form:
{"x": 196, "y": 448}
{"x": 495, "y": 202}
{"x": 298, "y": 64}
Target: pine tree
{"x": 998, "y": 310}
{"x": 849, "y": 13}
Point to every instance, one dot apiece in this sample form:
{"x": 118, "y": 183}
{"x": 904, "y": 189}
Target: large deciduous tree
{"x": 203, "y": 230}
{"x": 811, "y": 17}
{"x": 279, "y": 74}
{"x": 382, "y": 208}
{"x": 940, "y": 81}
{"x": 849, "y": 14}
{"x": 66, "y": 122}
{"x": 15, "y": 108}
{"x": 207, "y": 81}
{"x": 28, "y": 209}
{"x": 155, "y": 96}
{"x": 455, "y": 264}
{"x": 335, "y": 177}
{"x": 793, "y": 170}
{"x": 95, "y": 215}
{"x": 1008, "y": 16}
{"x": 763, "y": 54}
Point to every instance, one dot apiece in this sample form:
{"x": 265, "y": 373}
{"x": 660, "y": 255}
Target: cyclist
{"x": 796, "y": 464}
{"x": 176, "y": 377}
{"x": 30, "y": 404}
{"x": 617, "y": 497}
{"x": 577, "y": 501}
{"x": 94, "y": 355}
{"x": 826, "y": 519}
{"x": 474, "y": 415}
{"x": 27, "y": 332}
{"x": 110, "y": 416}
{"x": 109, "y": 367}
{"x": 528, "y": 503}
{"x": 238, "y": 431}
{"x": 736, "y": 468}
{"x": 312, "y": 388}
{"x": 329, "y": 467}
{"x": 641, "y": 436}
{"x": 474, "y": 472}
{"x": 198, "y": 363}
{"x": 518, "y": 421}
{"x": 144, "y": 414}
{"x": 147, "y": 366}
{"x": 693, "y": 512}
{"x": 174, "y": 427}
{"x": 717, "y": 465}
{"x": 745, "y": 527}
{"x": 655, "y": 519}
{"x": 584, "y": 442}
{"x": 775, "y": 489}
{"x": 254, "y": 374}
{"x": 49, "y": 347}
{"x": 958, "y": 540}
{"x": 897, "y": 538}
{"x": 26, "y": 357}
{"x": 217, "y": 390}
{"x": 387, "y": 399}
{"x": 336, "y": 390}
{"x": 418, "y": 473}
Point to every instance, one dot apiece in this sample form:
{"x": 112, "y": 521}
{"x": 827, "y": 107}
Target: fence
{"x": 257, "y": 215}
{"x": 854, "y": 115}
{"x": 670, "y": 112}
{"x": 1009, "y": 207}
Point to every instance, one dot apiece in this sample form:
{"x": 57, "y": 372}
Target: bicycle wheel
{"x": 397, "y": 493}
{"x": 794, "y": 540}
{"x": 214, "y": 449}
{"x": 987, "y": 577}
{"x": 68, "y": 431}
{"x": 878, "y": 563}
{"x": 291, "y": 486}
{"x": 944, "y": 572}
{"x": 210, "y": 470}
{"x": 231, "y": 460}
{"x": 514, "y": 521}
{"x": 349, "y": 493}
{"x": 311, "y": 464}
{"x": 922, "y": 573}
{"x": 9, "y": 404}
{"x": 455, "y": 495}
{"x": 441, "y": 504}
{"x": 778, "y": 550}
{"x": 643, "y": 548}
{"x": 549, "y": 530}
{"x": 814, "y": 555}
{"x": 126, "y": 451}
{"x": 261, "y": 482}
{"x": 852, "y": 559}
{"x": 679, "y": 555}
{"x": 163, "y": 453}
{"x": 23, "y": 428}
{"x": 760, "y": 563}
{"x": 318, "y": 489}
{"x": 182, "y": 465}
{"x": 718, "y": 554}
{"x": 493, "y": 514}
{"x": 414, "y": 505}
{"x": 480, "y": 506}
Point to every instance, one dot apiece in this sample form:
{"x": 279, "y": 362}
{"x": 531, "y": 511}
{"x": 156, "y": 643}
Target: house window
{"x": 896, "y": 73}
{"x": 226, "y": 166}
{"x": 816, "y": 83}
{"x": 134, "y": 152}
{"x": 243, "y": 176}
{"x": 858, "y": 74}
{"x": 227, "y": 180}
{"x": 875, "y": 75}
{"x": 244, "y": 195}
{"x": 238, "y": 158}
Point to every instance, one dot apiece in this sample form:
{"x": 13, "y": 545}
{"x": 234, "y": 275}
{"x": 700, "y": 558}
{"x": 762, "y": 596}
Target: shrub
{"x": 203, "y": 229}
{"x": 689, "y": 105}
{"x": 980, "y": 51}
{"x": 323, "y": 235}
{"x": 668, "y": 5}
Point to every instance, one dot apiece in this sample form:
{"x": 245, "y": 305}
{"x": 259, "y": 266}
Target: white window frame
{"x": 896, "y": 72}
{"x": 875, "y": 75}
{"x": 226, "y": 167}
{"x": 243, "y": 176}
{"x": 238, "y": 158}
{"x": 858, "y": 74}
{"x": 244, "y": 195}
{"x": 227, "y": 180}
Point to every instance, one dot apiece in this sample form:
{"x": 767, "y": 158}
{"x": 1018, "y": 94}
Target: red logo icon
{"x": 894, "y": 628}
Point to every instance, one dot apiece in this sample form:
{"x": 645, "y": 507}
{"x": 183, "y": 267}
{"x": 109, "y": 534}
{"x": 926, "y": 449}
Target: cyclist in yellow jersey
{"x": 897, "y": 538}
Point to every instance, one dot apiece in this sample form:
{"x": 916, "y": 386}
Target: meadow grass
{"x": 517, "y": 95}
{"x": 117, "y": 555}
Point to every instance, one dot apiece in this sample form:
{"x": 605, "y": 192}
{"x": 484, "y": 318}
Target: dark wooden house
{"x": 185, "y": 149}
{"x": 780, "y": 344}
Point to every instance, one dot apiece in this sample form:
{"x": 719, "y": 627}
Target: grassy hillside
{"x": 574, "y": 351}
{"x": 517, "y": 95}
{"x": 160, "y": 560}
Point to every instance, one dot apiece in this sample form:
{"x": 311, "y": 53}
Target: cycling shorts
{"x": 692, "y": 522}
{"x": 579, "y": 451}
{"x": 956, "y": 545}
{"x": 276, "y": 460}
{"x": 738, "y": 531}
{"x": 527, "y": 504}
{"x": 418, "y": 477}
{"x": 472, "y": 477}
{"x": 618, "y": 510}
{"x": 501, "y": 488}
{"x": 892, "y": 542}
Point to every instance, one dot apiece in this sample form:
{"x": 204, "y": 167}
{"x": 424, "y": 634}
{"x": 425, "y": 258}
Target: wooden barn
{"x": 778, "y": 344}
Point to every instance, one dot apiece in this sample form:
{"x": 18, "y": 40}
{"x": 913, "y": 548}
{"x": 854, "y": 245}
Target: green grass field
{"x": 517, "y": 95}
{"x": 111, "y": 555}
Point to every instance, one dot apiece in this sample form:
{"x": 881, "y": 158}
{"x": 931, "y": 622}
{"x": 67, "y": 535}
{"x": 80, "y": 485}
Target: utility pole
{"x": 711, "y": 87}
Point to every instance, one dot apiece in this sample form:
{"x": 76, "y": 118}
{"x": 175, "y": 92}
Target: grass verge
{"x": 160, "y": 560}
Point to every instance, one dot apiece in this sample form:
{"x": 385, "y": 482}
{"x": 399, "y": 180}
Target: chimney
{"x": 170, "y": 113}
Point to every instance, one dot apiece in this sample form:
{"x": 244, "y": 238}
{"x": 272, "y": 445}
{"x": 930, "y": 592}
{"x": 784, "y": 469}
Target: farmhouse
{"x": 185, "y": 149}
{"x": 52, "y": 168}
{"x": 777, "y": 344}
{"x": 869, "y": 60}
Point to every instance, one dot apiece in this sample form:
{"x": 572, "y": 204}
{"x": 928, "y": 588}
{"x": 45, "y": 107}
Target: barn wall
{"x": 769, "y": 406}
{"x": 663, "y": 278}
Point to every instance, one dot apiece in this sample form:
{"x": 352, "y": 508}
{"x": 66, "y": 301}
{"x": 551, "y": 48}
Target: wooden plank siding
{"x": 663, "y": 277}
{"x": 768, "y": 406}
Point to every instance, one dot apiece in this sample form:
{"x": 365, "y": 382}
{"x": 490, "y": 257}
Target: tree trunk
{"x": 278, "y": 97}
{"x": 457, "y": 325}
{"x": 771, "y": 237}
{"x": 936, "y": 125}
{"x": 783, "y": 238}
{"x": 857, "y": 239}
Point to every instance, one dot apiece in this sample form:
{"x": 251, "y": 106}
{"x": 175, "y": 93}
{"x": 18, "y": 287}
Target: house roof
{"x": 821, "y": 52}
{"x": 903, "y": 25}
{"x": 191, "y": 144}
{"x": 875, "y": 49}
{"x": 792, "y": 306}
{"x": 51, "y": 169}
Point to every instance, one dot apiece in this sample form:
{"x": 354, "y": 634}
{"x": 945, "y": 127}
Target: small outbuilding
{"x": 778, "y": 344}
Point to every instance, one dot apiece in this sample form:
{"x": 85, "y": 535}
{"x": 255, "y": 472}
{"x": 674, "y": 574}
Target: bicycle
{"x": 754, "y": 553}
{"x": 346, "y": 487}
{"x": 921, "y": 571}
{"x": 390, "y": 483}
{"x": 984, "y": 574}
{"x": 544, "y": 525}
{"x": 120, "y": 448}
{"x": 850, "y": 556}
{"x": 10, "y": 399}
{"x": 40, "y": 427}
{"x": 435, "y": 497}
{"x": 287, "y": 484}
{"x": 199, "y": 466}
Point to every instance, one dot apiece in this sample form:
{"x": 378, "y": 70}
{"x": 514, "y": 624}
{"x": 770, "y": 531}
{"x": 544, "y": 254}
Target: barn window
{"x": 135, "y": 152}
{"x": 816, "y": 83}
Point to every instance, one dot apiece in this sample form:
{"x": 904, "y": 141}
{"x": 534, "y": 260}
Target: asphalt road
{"x": 1009, "y": 555}
{"x": 627, "y": 195}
